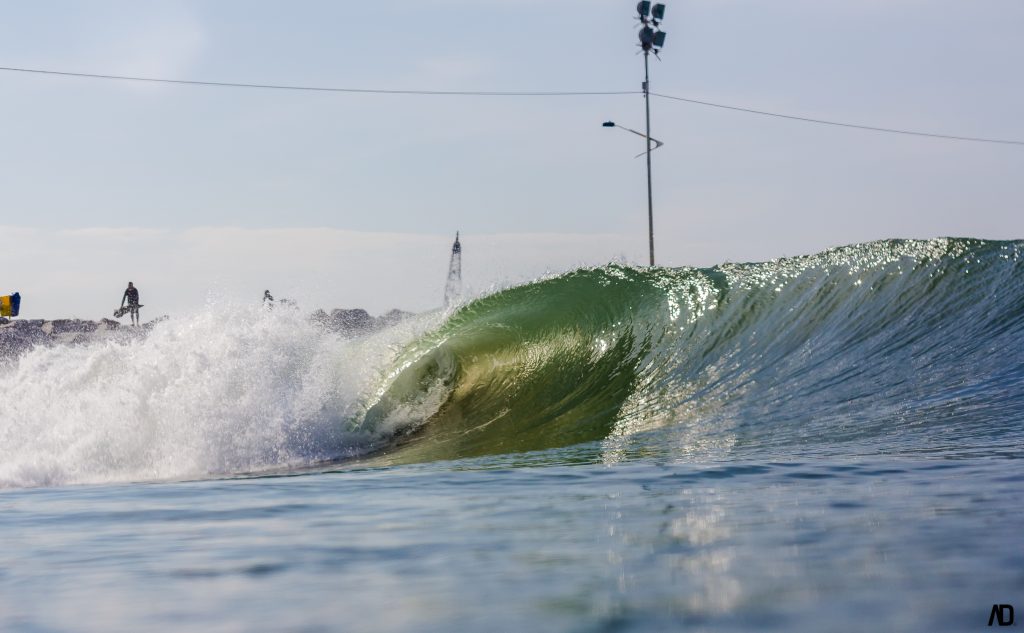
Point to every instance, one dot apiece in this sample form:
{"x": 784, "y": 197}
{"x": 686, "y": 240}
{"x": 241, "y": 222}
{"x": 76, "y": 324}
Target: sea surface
{"x": 831, "y": 442}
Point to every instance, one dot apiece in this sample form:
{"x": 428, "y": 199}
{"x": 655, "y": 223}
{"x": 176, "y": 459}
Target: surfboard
{"x": 120, "y": 312}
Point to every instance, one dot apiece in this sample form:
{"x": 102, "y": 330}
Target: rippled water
{"x": 901, "y": 544}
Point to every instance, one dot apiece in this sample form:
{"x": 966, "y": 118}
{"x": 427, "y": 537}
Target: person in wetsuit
{"x": 131, "y": 295}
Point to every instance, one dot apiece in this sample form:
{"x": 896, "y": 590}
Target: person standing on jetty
{"x": 131, "y": 295}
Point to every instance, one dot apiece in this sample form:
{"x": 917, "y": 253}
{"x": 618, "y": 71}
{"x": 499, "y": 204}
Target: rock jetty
{"x": 356, "y": 321}
{"x": 20, "y": 335}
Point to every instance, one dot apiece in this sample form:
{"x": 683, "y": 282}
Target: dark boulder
{"x": 351, "y": 320}
{"x": 66, "y": 326}
{"x": 355, "y": 321}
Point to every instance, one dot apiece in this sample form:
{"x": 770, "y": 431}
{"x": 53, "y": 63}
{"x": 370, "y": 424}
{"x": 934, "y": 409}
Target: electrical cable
{"x": 485, "y": 93}
{"x": 840, "y": 124}
{"x": 226, "y": 84}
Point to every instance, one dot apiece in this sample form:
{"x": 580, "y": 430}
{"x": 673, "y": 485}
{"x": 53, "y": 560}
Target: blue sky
{"x": 83, "y": 162}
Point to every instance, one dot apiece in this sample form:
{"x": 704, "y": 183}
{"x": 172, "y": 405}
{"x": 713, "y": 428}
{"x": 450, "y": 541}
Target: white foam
{"x": 229, "y": 389}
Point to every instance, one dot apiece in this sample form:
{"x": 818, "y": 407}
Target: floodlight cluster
{"x": 652, "y": 38}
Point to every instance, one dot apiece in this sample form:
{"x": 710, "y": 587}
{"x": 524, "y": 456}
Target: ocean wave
{"x": 918, "y": 342}
{"x": 895, "y": 346}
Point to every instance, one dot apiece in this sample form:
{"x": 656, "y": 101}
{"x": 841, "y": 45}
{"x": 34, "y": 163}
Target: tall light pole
{"x": 651, "y": 39}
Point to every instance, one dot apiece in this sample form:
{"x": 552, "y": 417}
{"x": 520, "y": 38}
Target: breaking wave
{"x": 889, "y": 344}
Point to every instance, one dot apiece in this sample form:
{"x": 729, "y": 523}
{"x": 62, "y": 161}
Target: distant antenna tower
{"x": 453, "y": 289}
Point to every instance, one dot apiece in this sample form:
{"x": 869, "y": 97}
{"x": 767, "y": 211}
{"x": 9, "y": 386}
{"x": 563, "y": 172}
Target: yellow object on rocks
{"x": 10, "y": 305}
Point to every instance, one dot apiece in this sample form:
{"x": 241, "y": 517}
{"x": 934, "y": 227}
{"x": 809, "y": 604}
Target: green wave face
{"x": 538, "y": 366}
{"x": 815, "y": 348}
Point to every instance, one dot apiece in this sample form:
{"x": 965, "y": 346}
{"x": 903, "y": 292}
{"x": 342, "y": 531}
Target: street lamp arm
{"x": 657, "y": 143}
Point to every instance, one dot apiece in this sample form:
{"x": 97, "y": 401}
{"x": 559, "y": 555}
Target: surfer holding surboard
{"x": 131, "y": 295}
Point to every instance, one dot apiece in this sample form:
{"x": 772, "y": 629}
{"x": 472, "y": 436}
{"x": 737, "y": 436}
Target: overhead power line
{"x": 228, "y": 84}
{"x": 840, "y": 124}
{"x": 504, "y": 93}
